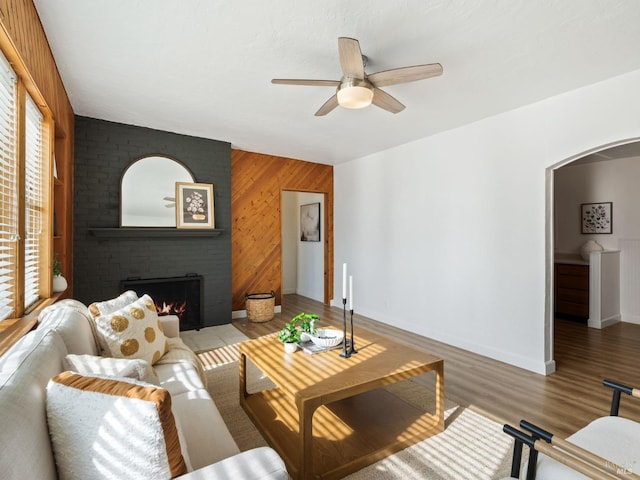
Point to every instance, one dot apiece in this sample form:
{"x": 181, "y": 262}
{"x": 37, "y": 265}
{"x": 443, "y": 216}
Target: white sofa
{"x": 25, "y": 370}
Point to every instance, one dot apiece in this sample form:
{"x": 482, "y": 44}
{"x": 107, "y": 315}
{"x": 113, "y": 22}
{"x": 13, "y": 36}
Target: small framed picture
{"x": 310, "y": 222}
{"x": 194, "y": 205}
{"x": 596, "y": 217}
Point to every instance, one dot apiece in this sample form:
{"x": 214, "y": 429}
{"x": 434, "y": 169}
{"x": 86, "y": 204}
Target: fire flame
{"x": 172, "y": 308}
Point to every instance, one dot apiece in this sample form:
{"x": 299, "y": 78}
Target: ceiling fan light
{"x": 355, "y": 93}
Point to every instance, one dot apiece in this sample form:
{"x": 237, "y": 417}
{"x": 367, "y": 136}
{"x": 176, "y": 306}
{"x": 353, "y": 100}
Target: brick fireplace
{"x": 180, "y": 296}
{"x": 103, "y": 150}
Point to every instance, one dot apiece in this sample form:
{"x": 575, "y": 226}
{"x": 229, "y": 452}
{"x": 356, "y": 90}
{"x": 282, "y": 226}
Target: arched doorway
{"x": 613, "y": 154}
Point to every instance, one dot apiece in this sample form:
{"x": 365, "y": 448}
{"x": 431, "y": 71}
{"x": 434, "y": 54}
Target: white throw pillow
{"x": 133, "y": 331}
{"x": 109, "y": 429}
{"x": 116, "y": 367}
{"x": 107, "y": 306}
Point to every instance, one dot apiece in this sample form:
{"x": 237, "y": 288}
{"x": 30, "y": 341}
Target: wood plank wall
{"x": 257, "y": 182}
{"x": 21, "y": 21}
{"x": 26, "y": 46}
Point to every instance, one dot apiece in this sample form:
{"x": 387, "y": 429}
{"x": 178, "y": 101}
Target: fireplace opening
{"x": 181, "y": 296}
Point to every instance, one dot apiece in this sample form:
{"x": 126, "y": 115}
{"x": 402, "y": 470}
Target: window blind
{"x": 8, "y": 189}
{"x": 34, "y": 202}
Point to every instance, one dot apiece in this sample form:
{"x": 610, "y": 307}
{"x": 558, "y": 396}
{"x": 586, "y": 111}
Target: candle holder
{"x": 352, "y": 343}
{"x": 346, "y": 353}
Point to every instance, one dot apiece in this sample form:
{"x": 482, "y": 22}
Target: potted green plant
{"x": 59, "y": 282}
{"x": 307, "y": 325}
{"x": 290, "y": 336}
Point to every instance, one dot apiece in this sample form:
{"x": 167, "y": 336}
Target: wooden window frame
{"x": 24, "y": 319}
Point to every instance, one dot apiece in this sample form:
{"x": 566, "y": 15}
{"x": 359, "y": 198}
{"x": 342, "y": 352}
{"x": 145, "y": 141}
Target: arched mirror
{"x": 148, "y": 190}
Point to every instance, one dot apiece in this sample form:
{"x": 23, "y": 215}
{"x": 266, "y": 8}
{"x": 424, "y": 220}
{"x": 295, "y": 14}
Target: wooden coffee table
{"x": 328, "y": 416}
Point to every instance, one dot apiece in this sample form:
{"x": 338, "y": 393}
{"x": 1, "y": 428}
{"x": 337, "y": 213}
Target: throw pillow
{"x": 133, "y": 331}
{"x": 105, "y": 428}
{"x": 116, "y": 367}
{"x": 107, "y": 306}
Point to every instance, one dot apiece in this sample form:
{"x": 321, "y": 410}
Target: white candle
{"x": 350, "y": 292}
{"x": 344, "y": 280}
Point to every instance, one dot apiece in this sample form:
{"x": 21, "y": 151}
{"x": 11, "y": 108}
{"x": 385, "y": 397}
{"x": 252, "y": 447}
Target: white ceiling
{"x": 203, "y": 67}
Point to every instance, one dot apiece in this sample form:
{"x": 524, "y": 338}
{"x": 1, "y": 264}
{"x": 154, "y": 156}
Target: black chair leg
{"x": 516, "y": 459}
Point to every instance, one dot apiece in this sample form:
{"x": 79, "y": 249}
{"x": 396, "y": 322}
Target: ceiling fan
{"x": 357, "y": 89}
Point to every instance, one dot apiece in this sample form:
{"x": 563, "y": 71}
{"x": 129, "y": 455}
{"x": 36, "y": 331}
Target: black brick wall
{"x": 102, "y": 151}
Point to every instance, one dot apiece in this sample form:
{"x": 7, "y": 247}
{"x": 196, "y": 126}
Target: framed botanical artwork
{"x": 310, "y": 222}
{"x": 596, "y": 217}
{"x": 194, "y": 205}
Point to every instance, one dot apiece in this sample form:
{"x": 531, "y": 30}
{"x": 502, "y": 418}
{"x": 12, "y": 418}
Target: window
{"x": 34, "y": 203}
{"x": 8, "y": 189}
{"x": 24, "y": 174}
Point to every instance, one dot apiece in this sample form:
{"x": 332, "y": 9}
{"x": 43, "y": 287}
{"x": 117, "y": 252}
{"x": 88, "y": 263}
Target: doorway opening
{"x": 304, "y": 256}
{"x": 592, "y": 176}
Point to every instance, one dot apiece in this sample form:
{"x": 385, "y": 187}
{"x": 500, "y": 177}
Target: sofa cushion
{"x": 209, "y": 440}
{"x": 261, "y": 463}
{"x": 25, "y": 370}
{"x": 179, "y": 366}
{"x": 178, "y": 377}
{"x": 108, "y": 306}
{"x": 106, "y": 428}
{"x": 133, "y": 331}
{"x": 116, "y": 367}
{"x": 77, "y": 305}
{"x": 71, "y": 319}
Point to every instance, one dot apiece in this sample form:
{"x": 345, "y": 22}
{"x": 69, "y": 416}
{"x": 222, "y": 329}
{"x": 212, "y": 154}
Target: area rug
{"x": 472, "y": 447}
{"x": 212, "y": 337}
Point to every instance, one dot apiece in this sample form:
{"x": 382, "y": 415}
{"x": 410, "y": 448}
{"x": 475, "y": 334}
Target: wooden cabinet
{"x": 572, "y": 291}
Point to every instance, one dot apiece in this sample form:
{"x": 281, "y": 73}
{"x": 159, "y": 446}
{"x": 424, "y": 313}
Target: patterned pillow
{"x": 116, "y": 367}
{"x": 105, "y": 428}
{"x": 133, "y": 331}
{"x": 108, "y": 306}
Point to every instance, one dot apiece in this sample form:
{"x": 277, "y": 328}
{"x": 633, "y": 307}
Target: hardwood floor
{"x": 561, "y": 403}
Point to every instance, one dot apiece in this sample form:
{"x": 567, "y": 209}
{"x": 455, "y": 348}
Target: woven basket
{"x": 260, "y": 306}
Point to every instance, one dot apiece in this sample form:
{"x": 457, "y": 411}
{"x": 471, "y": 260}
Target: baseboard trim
{"x": 243, "y": 313}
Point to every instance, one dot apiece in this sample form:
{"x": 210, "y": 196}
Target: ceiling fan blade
{"x": 328, "y": 106}
{"x": 385, "y": 101}
{"x": 405, "y": 74}
{"x": 350, "y": 57}
{"x": 313, "y": 83}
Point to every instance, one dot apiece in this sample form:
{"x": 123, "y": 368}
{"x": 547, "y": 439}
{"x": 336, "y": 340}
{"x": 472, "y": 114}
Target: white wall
{"x": 311, "y": 254}
{"x": 607, "y": 181}
{"x": 446, "y": 236}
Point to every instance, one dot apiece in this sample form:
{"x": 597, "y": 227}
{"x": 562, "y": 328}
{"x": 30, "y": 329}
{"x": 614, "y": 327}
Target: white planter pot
{"x": 59, "y": 283}
{"x": 290, "y": 347}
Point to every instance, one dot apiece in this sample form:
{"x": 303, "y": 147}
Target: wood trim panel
{"x": 22, "y": 23}
{"x": 25, "y": 45}
{"x": 257, "y": 183}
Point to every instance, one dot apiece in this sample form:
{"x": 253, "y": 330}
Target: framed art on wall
{"x": 310, "y": 222}
{"x": 597, "y": 217}
{"x": 194, "y": 205}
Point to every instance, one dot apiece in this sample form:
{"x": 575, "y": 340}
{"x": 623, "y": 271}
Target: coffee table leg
{"x": 243, "y": 377}
{"x": 440, "y": 395}
{"x": 305, "y": 427}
